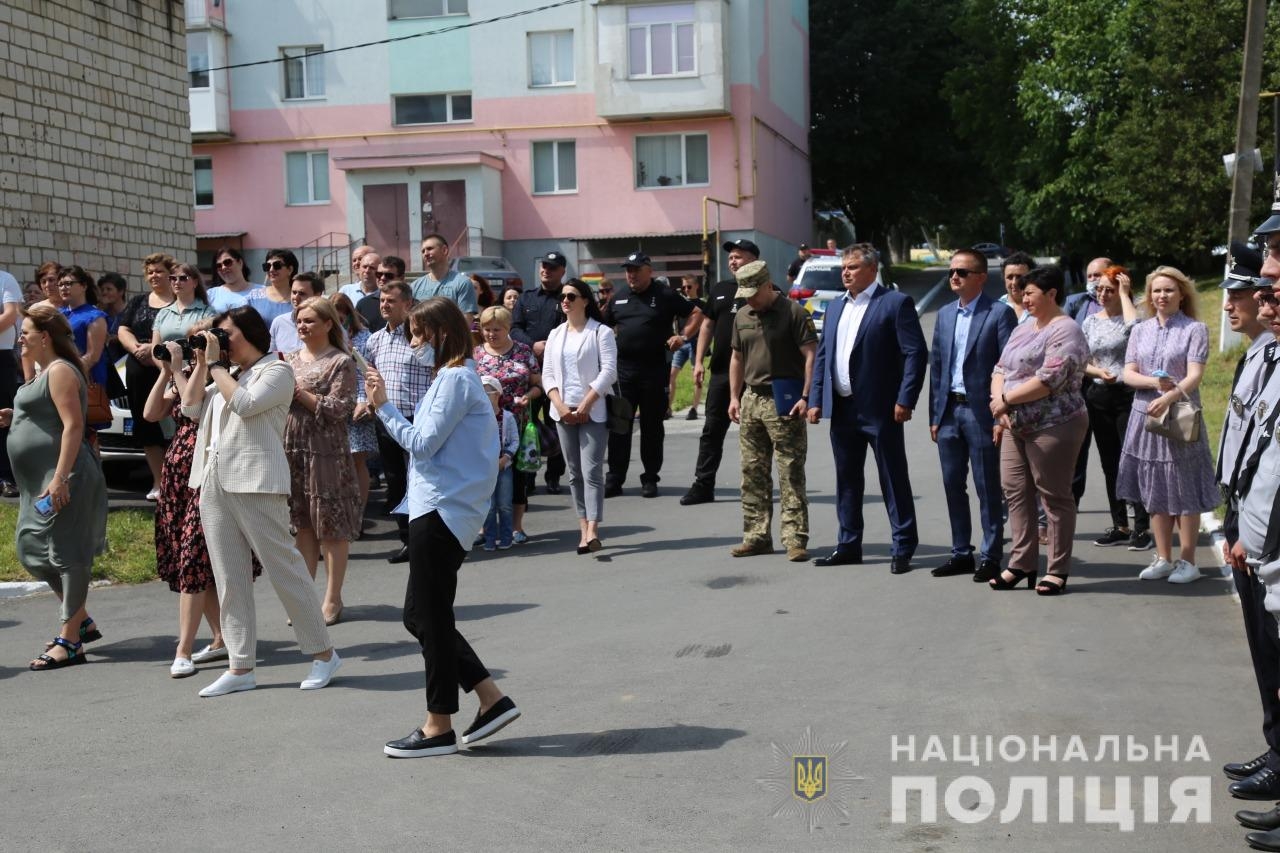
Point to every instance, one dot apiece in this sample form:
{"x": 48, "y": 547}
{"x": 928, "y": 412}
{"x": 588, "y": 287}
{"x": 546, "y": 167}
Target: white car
{"x": 818, "y": 283}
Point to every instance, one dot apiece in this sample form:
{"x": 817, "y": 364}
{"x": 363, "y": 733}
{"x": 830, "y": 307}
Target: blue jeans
{"x": 497, "y": 527}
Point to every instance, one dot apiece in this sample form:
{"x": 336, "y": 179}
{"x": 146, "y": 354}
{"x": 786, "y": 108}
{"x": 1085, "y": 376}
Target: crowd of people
{"x": 263, "y": 409}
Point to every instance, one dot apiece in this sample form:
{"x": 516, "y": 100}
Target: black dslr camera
{"x": 160, "y": 352}
{"x": 199, "y": 342}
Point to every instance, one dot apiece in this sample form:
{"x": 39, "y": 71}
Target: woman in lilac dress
{"x": 1173, "y": 479}
{"x": 1035, "y": 396}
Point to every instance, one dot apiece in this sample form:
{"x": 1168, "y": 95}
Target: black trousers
{"x": 540, "y": 411}
{"x": 395, "y": 467}
{"x": 8, "y": 387}
{"x": 1109, "y": 407}
{"x": 715, "y": 426}
{"x": 434, "y": 558}
{"x": 647, "y": 391}
{"x": 1264, "y": 650}
{"x": 1082, "y": 460}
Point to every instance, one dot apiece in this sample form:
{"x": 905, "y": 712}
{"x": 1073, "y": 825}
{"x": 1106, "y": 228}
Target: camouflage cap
{"x": 751, "y": 277}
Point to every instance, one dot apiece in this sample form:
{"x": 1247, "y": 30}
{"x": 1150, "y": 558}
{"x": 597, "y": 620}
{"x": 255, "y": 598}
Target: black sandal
{"x": 88, "y": 633}
{"x": 998, "y": 582}
{"x": 1046, "y": 587}
{"x": 45, "y": 661}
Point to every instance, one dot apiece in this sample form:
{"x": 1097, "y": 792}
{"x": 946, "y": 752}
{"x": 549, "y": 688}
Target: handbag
{"x": 529, "y": 453}
{"x": 621, "y": 413}
{"x": 98, "y": 410}
{"x": 1180, "y": 422}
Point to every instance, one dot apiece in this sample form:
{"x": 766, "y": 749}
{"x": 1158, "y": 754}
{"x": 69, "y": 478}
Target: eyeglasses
{"x": 67, "y": 283}
{"x": 571, "y": 296}
{"x": 1267, "y": 297}
{"x": 184, "y": 278}
{"x": 273, "y": 266}
{"x": 962, "y": 274}
{"x": 226, "y": 263}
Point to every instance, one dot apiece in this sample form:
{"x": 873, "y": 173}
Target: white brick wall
{"x": 95, "y": 143}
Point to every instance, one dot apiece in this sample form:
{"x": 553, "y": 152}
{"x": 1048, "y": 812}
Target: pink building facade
{"x": 594, "y": 129}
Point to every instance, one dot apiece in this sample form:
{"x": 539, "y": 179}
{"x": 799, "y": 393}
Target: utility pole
{"x": 1246, "y": 137}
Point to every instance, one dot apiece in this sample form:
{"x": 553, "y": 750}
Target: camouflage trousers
{"x": 764, "y": 434}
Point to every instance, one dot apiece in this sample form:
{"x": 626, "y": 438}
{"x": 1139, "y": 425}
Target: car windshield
{"x": 474, "y": 264}
{"x": 821, "y": 278}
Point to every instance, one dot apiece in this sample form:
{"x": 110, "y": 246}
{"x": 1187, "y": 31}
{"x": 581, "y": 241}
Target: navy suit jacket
{"x": 989, "y": 330}
{"x": 887, "y": 365}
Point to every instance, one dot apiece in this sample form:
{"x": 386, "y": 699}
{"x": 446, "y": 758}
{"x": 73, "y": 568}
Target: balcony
{"x": 209, "y": 92}
{"x": 663, "y": 61}
{"x": 202, "y": 14}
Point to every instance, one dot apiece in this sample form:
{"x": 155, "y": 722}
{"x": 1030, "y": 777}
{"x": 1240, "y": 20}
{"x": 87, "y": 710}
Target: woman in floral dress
{"x": 324, "y": 504}
{"x": 360, "y": 429}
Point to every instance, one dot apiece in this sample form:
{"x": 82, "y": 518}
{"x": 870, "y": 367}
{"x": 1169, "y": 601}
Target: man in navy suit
{"x": 968, "y": 338}
{"x": 868, "y": 375}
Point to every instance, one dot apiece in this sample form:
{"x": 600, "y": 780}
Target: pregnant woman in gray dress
{"x": 51, "y": 460}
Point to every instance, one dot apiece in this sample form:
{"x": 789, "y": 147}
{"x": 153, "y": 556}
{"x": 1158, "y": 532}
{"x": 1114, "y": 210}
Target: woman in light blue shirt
{"x": 453, "y": 449}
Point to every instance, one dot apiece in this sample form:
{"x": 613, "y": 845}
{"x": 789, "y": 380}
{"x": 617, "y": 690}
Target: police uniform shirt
{"x": 1244, "y": 397}
{"x": 1258, "y": 493}
{"x": 721, "y": 307}
{"x": 769, "y": 342}
{"x": 643, "y": 322}
{"x": 537, "y": 313}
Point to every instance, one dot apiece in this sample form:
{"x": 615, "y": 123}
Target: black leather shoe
{"x": 961, "y": 565}
{"x": 401, "y": 556}
{"x": 987, "y": 570}
{"x": 649, "y": 489}
{"x": 1264, "y": 840}
{"x": 553, "y": 486}
{"x": 1266, "y": 821}
{"x": 696, "y": 495}
{"x": 418, "y": 745}
{"x": 1263, "y": 785}
{"x": 901, "y": 565}
{"x": 840, "y": 558}
{"x": 1247, "y": 769}
{"x": 612, "y": 490}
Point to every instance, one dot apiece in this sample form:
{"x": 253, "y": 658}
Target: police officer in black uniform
{"x": 537, "y": 313}
{"x": 716, "y": 332}
{"x": 642, "y": 317}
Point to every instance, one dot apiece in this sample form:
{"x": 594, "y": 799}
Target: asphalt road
{"x": 666, "y": 688}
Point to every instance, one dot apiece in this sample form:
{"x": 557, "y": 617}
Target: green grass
{"x": 130, "y": 555}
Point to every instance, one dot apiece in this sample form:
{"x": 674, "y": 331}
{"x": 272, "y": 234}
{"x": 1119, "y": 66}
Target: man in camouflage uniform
{"x": 774, "y": 344}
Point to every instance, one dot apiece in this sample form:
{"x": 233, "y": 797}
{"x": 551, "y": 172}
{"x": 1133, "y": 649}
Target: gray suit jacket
{"x": 250, "y": 453}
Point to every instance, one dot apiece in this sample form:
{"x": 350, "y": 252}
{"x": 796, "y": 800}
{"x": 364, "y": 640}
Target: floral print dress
{"x": 324, "y": 496}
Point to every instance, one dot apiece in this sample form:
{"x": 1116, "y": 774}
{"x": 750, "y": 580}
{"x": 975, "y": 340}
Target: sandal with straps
{"x": 999, "y": 582}
{"x": 88, "y": 633}
{"x": 1047, "y": 587}
{"x": 75, "y": 656}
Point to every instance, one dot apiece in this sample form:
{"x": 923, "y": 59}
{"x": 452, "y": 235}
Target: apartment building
{"x": 591, "y": 128}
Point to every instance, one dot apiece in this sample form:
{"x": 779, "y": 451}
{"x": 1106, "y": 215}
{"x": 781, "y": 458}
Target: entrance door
{"x": 444, "y": 212}
{"x": 386, "y": 219}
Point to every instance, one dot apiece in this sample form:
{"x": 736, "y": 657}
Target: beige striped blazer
{"x": 250, "y": 454}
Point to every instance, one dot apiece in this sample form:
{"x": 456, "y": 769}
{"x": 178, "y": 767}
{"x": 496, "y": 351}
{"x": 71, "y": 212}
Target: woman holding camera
{"x": 241, "y": 470}
{"x": 140, "y": 371}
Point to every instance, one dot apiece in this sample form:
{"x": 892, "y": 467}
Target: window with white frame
{"x": 672, "y": 160}
{"x": 303, "y": 72}
{"x": 306, "y": 177}
{"x": 555, "y": 167}
{"x": 551, "y": 58}
{"x": 198, "y": 59}
{"x": 660, "y": 40}
{"x": 202, "y": 179}
{"x": 397, "y": 9}
{"x": 432, "y": 109}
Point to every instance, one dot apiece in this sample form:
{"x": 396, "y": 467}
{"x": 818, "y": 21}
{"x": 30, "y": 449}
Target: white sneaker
{"x": 1184, "y": 572}
{"x": 182, "y": 667}
{"x": 1159, "y": 568}
{"x": 209, "y": 653}
{"x": 153, "y": 495}
{"x": 322, "y": 672}
{"x": 228, "y": 683}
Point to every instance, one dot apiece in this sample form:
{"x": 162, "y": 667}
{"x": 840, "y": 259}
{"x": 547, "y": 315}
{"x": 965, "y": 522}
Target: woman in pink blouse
{"x": 1035, "y": 396}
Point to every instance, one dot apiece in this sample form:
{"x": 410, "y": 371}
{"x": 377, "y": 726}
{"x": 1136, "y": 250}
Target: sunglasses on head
{"x": 174, "y": 279}
{"x": 272, "y": 266}
{"x": 226, "y": 263}
{"x": 962, "y": 274}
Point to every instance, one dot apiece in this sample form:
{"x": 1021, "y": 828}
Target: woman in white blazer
{"x": 242, "y": 473}
{"x": 580, "y": 365}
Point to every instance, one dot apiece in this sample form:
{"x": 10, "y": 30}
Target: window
{"x": 306, "y": 177}
{"x": 674, "y": 160}
{"x": 551, "y": 58}
{"x": 432, "y": 109}
{"x": 198, "y": 59}
{"x": 397, "y": 9}
{"x": 555, "y": 167}
{"x": 660, "y": 40}
{"x": 303, "y": 72}
{"x": 202, "y": 177}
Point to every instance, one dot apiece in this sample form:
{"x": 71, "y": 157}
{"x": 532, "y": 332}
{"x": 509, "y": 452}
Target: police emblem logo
{"x": 1237, "y": 406}
{"x": 1261, "y": 409}
{"x": 811, "y": 776}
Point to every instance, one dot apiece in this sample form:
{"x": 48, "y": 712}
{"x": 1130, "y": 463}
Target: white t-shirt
{"x": 10, "y": 292}
{"x": 572, "y": 390}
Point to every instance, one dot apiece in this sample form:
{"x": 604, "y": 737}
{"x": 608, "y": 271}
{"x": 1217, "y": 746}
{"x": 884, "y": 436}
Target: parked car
{"x": 117, "y": 441}
{"x": 817, "y": 284}
{"x": 993, "y": 251}
{"x": 497, "y": 270}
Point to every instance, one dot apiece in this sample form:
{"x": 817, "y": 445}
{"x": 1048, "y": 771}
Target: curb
{"x": 17, "y": 589}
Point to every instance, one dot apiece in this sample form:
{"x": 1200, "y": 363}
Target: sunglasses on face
{"x": 962, "y": 274}
{"x": 382, "y": 274}
{"x": 606, "y": 290}
{"x": 226, "y": 263}
{"x": 570, "y": 296}
{"x": 273, "y": 266}
{"x": 184, "y": 278}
